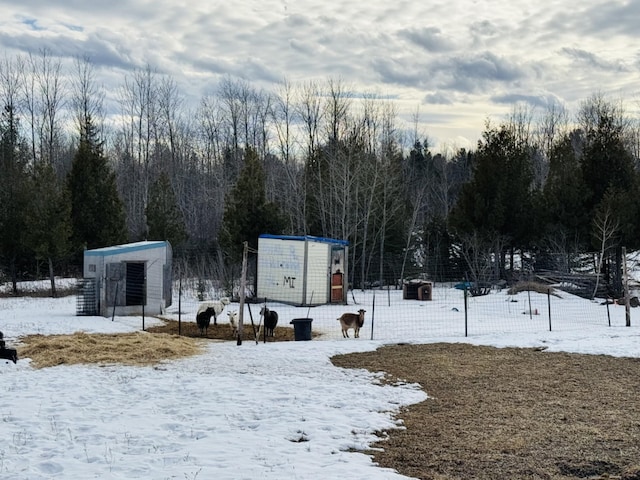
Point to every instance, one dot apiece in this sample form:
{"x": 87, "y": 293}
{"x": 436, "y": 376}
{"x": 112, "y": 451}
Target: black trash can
{"x": 301, "y": 328}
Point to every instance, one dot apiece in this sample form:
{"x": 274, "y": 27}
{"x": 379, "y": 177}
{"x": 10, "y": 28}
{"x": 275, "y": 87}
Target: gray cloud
{"x": 429, "y": 38}
{"x": 541, "y": 100}
{"x": 592, "y": 60}
{"x": 452, "y": 56}
{"x": 437, "y": 99}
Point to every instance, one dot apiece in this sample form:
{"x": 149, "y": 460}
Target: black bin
{"x": 301, "y": 328}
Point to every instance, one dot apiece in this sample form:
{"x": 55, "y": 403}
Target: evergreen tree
{"x": 607, "y": 168}
{"x": 606, "y": 162}
{"x": 564, "y": 211}
{"x": 164, "y": 219}
{"x": 49, "y": 233}
{"x": 247, "y": 214}
{"x": 496, "y": 207}
{"x": 15, "y": 195}
{"x": 97, "y": 212}
{"x": 498, "y": 200}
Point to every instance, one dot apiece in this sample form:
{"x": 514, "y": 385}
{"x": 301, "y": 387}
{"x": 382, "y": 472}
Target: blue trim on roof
{"x": 308, "y": 238}
{"x": 126, "y": 248}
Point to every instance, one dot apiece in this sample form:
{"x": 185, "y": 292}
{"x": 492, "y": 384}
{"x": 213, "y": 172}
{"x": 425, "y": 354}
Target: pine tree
{"x": 15, "y": 194}
{"x": 498, "y": 199}
{"x": 97, "y": 212}
{"x": 564, "y": 212}
{"x": 496, "y": 208}
{"x": 247, "y": 214}
{"x": 164, "y": 219}
{"x": 49, "y": 233}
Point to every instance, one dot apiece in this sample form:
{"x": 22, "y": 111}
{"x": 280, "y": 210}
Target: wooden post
{"x": 243, "y": 285}
{"x": 627, "y": 300}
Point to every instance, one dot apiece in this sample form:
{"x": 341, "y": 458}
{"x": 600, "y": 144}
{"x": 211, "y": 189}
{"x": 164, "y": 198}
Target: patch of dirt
{"x": 510, "y": 413}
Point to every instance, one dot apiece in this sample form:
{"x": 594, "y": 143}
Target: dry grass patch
{"x": 531, "y": 287}
{"x": 156, "y": 344}
{"x": 139, "y": 348}
{"x": 511, "y": 413}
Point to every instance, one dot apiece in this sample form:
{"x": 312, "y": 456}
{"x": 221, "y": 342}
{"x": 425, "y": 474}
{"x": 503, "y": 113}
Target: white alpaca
{"x": 217, "y": 305}
{"x": 233, "y": 322}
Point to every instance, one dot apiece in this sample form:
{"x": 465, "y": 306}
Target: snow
{"x": 271, "y": 411}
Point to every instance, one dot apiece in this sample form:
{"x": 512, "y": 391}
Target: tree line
{"x": 307, "y": 159}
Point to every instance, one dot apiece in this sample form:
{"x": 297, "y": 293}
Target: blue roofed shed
{"x": 126, "y": 279}
{"x": 302, "y": 270}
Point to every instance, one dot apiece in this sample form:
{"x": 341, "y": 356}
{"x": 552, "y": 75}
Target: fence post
{"x": 243, "y": 286}
{"x": 465, "y": 311}
{"x": 180, "y": 305}
{"x": 373, "y": 312}
{"x": 627, "y": 300}
{"x": 549, "y": 305}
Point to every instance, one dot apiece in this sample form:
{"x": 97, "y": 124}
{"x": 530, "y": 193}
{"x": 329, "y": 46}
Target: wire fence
{"x": 308, "y": 280}
{"x": 445, "y": 310}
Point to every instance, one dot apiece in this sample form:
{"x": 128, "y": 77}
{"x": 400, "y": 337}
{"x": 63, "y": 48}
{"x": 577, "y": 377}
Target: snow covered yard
{"x": 275, "y": 410}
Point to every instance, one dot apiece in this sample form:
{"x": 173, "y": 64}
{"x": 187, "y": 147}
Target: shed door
{"x": 115, "y": 284}
{"x": 135, "y": 283}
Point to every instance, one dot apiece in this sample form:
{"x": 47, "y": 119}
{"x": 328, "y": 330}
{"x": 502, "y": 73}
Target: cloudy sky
{"x": 454, "y": 62}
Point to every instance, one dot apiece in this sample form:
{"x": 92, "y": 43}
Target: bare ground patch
{"x": 221, "y": 331}
{"x": 511, "y": 413}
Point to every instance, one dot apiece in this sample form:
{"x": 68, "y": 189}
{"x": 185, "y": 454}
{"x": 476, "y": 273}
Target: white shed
{"x": 302, "y": 270}
{"x": 134, "y": 278}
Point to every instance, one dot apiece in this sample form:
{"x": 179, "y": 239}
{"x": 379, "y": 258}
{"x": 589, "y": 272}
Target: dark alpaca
{"x": 7, "y": 353}
{"x": 270, "y": 321}
{"x": 203, "y": 319}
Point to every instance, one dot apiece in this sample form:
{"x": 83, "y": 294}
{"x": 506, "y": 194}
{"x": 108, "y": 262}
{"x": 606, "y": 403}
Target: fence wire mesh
{"x": 402, "y": 311}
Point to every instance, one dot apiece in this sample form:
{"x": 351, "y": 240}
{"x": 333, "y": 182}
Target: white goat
{"x": 233, "y": 322}
{"x": 352, "y": 320}
{"x": 217, "y": 305}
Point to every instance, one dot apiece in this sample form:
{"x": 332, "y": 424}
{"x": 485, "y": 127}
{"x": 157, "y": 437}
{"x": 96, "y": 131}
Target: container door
{"x": 336, "y": 287}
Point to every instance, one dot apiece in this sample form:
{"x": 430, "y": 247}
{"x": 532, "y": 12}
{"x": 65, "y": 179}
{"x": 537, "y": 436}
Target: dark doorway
{"x": 135, "y": 284}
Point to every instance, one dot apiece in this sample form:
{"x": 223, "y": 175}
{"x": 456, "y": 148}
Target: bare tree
{"x": 86, "y": 97}
{"x": 292, "y": 194}
{"x": 606, "y": 226}
{"x": 309, "y": 108}
{"x": 481, "y": 254}
{"x": 44, "y": 100}
{"x": 170, "y": 103}
{"x": 139, "y": 104}
{"x": 11, "y": 77}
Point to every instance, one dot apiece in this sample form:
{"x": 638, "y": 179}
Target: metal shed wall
{"x": 281, "y": 266}
{"x": 296, "y": 270}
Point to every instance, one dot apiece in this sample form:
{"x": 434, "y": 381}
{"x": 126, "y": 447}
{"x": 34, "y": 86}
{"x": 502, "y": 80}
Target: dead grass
{"x": 139, "y": 348}
{"x": 511, "y": 413}
{"x": 528, "y": 286}
{"x": 156, "y": 344}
